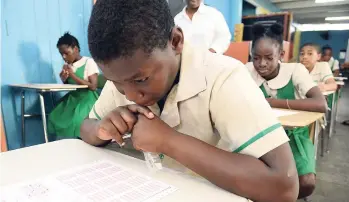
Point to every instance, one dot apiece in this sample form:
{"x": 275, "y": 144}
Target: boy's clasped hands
{"x": 149, "y": 132}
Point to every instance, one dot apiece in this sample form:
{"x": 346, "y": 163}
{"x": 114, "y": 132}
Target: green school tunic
{"x": 66, "y": 118}
{"x": 300, "y": 143}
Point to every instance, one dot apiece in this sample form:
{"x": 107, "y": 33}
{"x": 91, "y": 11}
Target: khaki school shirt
{"x": 301, "y": 79}
{"x": 215, "y": 101}
{"x": 321, "y": 72}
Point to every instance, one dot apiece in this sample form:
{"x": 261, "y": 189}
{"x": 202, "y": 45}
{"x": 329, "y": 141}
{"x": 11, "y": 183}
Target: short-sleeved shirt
{"x": 334, "y": 64}
{"x": 207, "y": 29}
{"x": 301, "y": 79}
{"x": 215, "y": 101}
{"x": 321, "y": 72}
{"x": 90, "y": 68}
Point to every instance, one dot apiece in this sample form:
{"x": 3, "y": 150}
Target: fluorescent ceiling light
{"x": 337, "y": 18}
{"x": 326, "y": 1}
{"x": 321, "y": 27}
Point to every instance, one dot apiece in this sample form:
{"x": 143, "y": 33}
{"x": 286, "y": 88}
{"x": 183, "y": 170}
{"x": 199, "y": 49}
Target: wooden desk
{"x": 39, "y": 161}
{"x": 302, "y": 119}
{"x": 340, "y": 78}
{"x": 40, "y": 89}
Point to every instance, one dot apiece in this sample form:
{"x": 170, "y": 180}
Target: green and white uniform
{"x": 292, "y": 82}
{"x": 320, "y": 74}
{"x": 66, "y": 118}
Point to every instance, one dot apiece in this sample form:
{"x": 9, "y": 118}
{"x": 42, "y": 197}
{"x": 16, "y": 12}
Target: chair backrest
{"x": 101, "y": 81}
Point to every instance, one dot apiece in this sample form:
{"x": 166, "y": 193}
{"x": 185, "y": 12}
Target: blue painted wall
{"x": 231, "y": 10}
{"x": 29, "y": 33}
{"x": 338, "y": 40}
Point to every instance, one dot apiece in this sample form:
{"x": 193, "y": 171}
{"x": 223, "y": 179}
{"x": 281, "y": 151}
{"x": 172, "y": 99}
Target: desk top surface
{"x": 299, "y": 119}
{"x": 340, "y": 78}
{"x": 43, "y": 86}
{"x": 328, "y": 92}
{"x": 341, "y": 83}
{"x": 38, "y": 161}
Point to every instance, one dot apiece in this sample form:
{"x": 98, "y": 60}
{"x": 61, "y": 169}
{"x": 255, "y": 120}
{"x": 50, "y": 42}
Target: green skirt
{"x": 66, "y": 118}
{"x": 302, "y": 149}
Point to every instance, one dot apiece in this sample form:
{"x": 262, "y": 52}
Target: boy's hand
{"x": 121, "y": 121}
{"x": 150, "y": 135}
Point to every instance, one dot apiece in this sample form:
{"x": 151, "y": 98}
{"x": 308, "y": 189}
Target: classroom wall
{"x": 338, "y": 40}
{"x": 29, "y": 33}
{"x": 248, "y": 9}
{"x": 231, "y": 10}
{"x": 266, "y": 4}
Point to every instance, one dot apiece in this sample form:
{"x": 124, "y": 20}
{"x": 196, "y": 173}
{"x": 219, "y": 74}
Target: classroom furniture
{"x": 239, "y": 51}
{"x": 41, "y": 89}
{"x": 302, "y": 119}
{"x": 3, "y": 145}
{"x": 340, "y": 78}
{"x": 74, "y": 152}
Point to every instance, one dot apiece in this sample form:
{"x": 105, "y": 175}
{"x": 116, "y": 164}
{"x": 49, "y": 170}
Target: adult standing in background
{"x": 204, "y": 26}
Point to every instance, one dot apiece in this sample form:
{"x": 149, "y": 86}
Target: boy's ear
{"x": 177, "y": 39}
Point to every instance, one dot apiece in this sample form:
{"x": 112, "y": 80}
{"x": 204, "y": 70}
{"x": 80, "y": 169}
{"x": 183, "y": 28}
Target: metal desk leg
{"x": 43, "y": 115}
{"x": 333, "y": 115}
{"x": 316, "y": 138}
{"x": 322, "y": 136}
{"x": 22, "y": 118}
{"x": 335, "y": 112}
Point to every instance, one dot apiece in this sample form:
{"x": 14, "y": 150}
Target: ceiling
{"x": 309, "y": 12}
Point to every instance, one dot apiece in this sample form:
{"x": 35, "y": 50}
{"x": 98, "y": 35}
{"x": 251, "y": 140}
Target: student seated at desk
{"x": 288, "y": 86}
{"x": 74, "y": 107}
{"x": 319, "y": 71}
{"x": 327, "y": 57}
{"x": 198, "y": 120}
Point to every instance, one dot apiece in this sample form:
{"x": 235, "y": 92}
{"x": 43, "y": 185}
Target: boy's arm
{"x": 273, "y": 177}
{"x": 258, "y": 165}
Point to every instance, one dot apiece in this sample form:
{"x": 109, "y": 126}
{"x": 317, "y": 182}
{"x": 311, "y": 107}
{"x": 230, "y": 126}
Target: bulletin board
{"x": 284, "y": 18}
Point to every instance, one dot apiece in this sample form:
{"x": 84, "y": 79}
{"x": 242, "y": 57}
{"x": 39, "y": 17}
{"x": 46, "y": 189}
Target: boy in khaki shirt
{"x": 205, "y": 112}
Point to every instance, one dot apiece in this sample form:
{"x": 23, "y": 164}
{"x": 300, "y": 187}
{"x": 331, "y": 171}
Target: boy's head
{"x": 267, "y": 48}
{"x": 137, "y": 47}
{"x": 193, "y": 3}
{"x": 310, "y": 55}
{"x": 326, "y": 53}
{"x": 69, "y": 48}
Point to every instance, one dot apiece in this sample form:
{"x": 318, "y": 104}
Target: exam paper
{"x": 280, "y": 113}
{"x": 99, "y": 181}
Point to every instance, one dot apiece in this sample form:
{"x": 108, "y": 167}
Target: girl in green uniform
{"x": 288, "y": 86}
{"x": 74, "y": 107}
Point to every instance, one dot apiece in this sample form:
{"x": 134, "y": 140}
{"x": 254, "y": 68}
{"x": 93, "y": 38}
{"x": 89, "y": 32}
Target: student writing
{"x": 74, "y": 107}
{"x": 227, "y": 135}
{"x": 288, "y": 86}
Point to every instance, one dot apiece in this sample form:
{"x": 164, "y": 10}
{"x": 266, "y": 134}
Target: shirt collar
{"x": 192, "y": 79}
{"x": 202, "y": 9}
{"x": 281, "y": 80}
